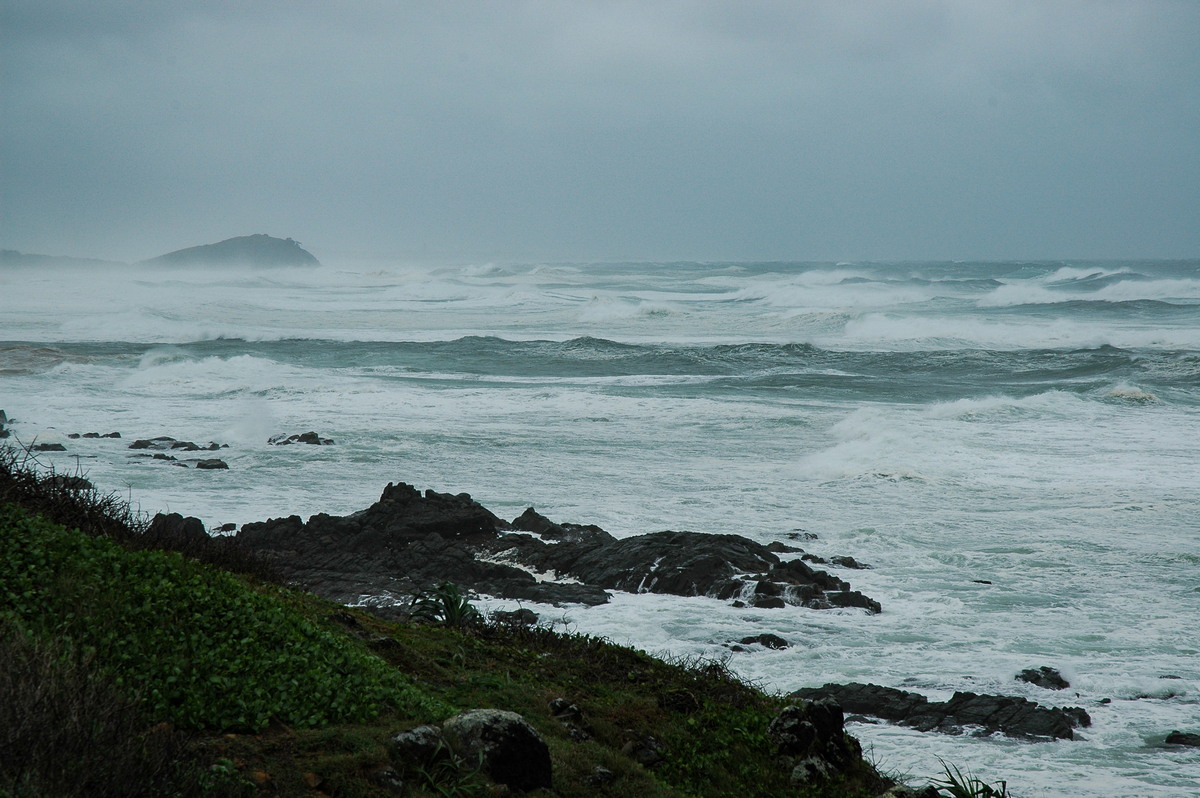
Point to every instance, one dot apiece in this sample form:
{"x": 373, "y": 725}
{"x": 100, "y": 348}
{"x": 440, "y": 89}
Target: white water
{"x": 1076, "y": 499}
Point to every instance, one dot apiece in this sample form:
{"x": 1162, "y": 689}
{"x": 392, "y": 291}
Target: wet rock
{"x": 509, "y": 751}
{"x": 310, "y": 438}
{"x": 779, "y": 547}
{"x": 213, "y": 463}
{"x": 47, "y": 447}
{"x": 1044, "y": 676}
{"x": 766, "y": 640}
{"x": 1016, "y": 717}
{"x": 1183, "y": 738}
{"x": 408, "y": 540}
{"x": 848, "y": 562}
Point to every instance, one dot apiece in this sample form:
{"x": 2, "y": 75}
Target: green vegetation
{"x": 957, "y": 785}
{"x": 164, "y": 675}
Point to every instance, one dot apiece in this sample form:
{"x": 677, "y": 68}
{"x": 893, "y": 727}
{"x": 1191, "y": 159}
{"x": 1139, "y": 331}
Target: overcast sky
{"x": 789, "y": 130}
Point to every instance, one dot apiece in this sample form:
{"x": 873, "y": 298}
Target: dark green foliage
{"x": 206, "y": 651}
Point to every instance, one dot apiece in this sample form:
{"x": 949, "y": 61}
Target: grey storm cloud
{"x": 606, "y": 130}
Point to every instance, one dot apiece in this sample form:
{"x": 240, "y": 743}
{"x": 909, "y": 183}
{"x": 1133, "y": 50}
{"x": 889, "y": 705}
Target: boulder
{"x": 213, "y": 463}
{"x": 1016, "y": 717}
{"x": 47, "y": 447}
{"x": 509, "y": 751}
{"x": 421, "y": 745}
{"x": 1044, "y": 676}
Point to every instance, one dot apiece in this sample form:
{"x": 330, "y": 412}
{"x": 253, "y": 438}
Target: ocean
{"x": 1011, "y": 447}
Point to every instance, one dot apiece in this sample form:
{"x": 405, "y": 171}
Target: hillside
{"x": 252, "y": 250}
{"x": 138, "y": 670}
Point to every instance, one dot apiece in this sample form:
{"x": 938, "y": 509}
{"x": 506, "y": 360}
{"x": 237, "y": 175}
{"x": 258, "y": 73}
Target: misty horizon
{"x": 773, "y": 131}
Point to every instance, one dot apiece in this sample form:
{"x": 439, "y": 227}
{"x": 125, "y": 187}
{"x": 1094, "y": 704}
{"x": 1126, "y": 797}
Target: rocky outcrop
{"x": 409, "y": 540}
{"x": 166, "y": 443}
{"x": 1016, "y": 717}
{"x": 1044, "y": 676}
{"x": 812, "y": 737}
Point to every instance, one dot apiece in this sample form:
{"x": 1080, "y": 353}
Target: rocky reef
{"x": 409, "y": 540}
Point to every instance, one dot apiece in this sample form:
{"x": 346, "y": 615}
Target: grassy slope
{"x": 294, "y": 694}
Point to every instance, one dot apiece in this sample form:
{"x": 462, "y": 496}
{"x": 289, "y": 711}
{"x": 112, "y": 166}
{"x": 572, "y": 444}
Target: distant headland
{"x": 248, "y": 251}
{"x": 254, "y": 250}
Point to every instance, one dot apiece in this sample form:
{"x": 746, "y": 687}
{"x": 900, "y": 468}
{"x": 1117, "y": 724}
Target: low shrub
{"x": 204, "y": 650}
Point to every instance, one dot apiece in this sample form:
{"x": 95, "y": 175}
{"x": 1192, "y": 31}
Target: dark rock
{"x": 681, "y": 701}
{"x": 813, "y": 733}
{"x": 91, "y": 434}
{"x": 1044, "y": 676}
{"x": 306, "y": 437}
{"x": 646, "y": 751}
{"x": 227, "y": 527}
{"x": 408, "y": 540}
{"x": 73, "y": 435}
{"x": 562, "y": 709}
{"x": 161, "y": 456}
{"x": 172, "y": 530}
{"x": 47, "y": 447}
{"x": 532, "y": 521}
{"x": 600, "y": 776}
{"x": 767, "y": 640}
{"x": 778, "y": 547}
{"x": 521, "y": 617}
{"x": 1012, "y": 716}
{"x": 421, "y": 745}
{"x": 852, "y": 598}
{"x": 386, "y": 778}
{"x": 848, "y": 562}
{"x": 111, "y": 435}
{"x": 70, "y": 482}
{"x": 981, "y": 581}
{"x": 167, "y": 443}
{"x": 815, "y": 559}
{"x": 1183, "y": 738}
{"x": 213, "y": 463}
{"x": 509, "y": 751}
